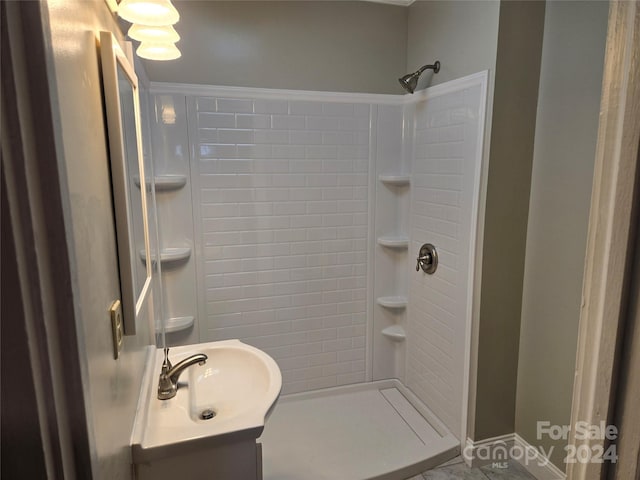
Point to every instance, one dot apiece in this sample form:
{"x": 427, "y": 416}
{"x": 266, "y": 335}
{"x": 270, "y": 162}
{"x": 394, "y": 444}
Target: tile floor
{"x": 456, "y": 469}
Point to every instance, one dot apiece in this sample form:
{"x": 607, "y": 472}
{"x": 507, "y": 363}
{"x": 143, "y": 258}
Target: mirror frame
{"x": 113, "y": 58}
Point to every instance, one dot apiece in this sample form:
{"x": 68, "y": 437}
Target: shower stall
{"x": 295, "y": 221}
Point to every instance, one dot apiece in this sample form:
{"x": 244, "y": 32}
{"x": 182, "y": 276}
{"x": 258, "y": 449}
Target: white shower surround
{"x": 444, "y": 211}
{"x": 284, "y": 213}
{"x": 312, "y": 360}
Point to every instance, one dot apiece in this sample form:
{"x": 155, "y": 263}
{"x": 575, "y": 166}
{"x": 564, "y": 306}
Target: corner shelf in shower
{"x": 176, "y": 324}
{"x": 395, "y": 333}
{"x": 394, "y": 241}
{"x": 393, "y": 302}
{"x": 398, "y": 180}
{"x": 169, "y": 256}
{"x": 166, "y": 183}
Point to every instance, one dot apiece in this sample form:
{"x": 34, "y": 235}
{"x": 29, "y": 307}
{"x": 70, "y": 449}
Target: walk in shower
{"x": 293, "y": 221}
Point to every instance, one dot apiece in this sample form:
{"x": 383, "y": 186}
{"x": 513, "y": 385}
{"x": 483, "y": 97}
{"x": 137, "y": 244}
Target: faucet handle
{"x": 166, "y": 364}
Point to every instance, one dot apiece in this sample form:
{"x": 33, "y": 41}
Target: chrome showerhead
{"x": 410, "y": 81}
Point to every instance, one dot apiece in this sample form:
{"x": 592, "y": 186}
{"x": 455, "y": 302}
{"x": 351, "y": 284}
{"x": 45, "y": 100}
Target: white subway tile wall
{"x": 283, "y": 206}
{"x": 447, "y": 145}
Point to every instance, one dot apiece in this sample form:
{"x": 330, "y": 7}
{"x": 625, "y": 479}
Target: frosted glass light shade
{"x": 158, "y": 51}
{"x": 150, "y": 33}
{"x": 148, "y": 12}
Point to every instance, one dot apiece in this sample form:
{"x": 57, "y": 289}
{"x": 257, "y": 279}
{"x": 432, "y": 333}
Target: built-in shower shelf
{"x": 176, "y": 324}
{"x": 394, "y": 179}
{"x": 165, "y": 183}
{"x": 395, "y": 302}
{"x": 169, "y": 256}
{"x": 394, "y": 241}
{"x": 395, "y": 333}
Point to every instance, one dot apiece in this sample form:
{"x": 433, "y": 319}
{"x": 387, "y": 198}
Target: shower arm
{"x": 435, "y": 67}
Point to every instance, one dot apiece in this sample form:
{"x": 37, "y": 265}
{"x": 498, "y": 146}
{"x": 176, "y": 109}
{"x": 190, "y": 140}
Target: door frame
{"x": 34, "y": 178}
{"x": 610, "y": 243}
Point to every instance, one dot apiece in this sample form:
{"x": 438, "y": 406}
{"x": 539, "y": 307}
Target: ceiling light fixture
{"x": 158, "y": 51}
{"x": 148, "y": 12}
{"x": 150, "y": 33}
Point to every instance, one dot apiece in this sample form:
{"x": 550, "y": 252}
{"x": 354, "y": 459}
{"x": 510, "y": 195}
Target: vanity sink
{"x": 222, "y": 402}
{"x": 237, "y": 384}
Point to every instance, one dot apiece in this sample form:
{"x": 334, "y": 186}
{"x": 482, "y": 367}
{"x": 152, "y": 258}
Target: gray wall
{"x": 506, "y": 209}
{"x": 463, "y": 35}
{"x": 332, "y": 46}
{"x": 566, "y": 130}
{"x": 111, "y": 386}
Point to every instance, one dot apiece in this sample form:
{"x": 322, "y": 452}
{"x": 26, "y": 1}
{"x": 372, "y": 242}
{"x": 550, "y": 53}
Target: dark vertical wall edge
{"x": 510, "y": 161}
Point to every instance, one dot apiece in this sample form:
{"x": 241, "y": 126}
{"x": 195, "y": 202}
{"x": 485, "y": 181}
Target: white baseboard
{"x": 488, "y": 451}
{"x": 537, "y": 464}
{"x": 498, "y": 450}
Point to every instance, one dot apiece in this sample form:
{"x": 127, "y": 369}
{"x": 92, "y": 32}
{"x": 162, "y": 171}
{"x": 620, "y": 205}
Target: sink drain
{"x": 207, "y": 414}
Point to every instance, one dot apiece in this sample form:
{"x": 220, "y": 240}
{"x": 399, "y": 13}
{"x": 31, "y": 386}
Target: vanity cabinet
{"x": 210, "y": 427}
{"x": 241, "y": 460}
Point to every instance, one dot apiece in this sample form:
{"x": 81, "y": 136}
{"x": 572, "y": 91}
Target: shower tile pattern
{"x": 280, "y": 188}
{"x": 446, "y": 157}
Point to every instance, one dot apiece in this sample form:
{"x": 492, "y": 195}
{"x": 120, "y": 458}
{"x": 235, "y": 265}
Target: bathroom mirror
{"x": 127, "y": 178}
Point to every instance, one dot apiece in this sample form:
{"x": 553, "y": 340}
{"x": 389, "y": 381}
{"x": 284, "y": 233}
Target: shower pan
{"x": 305, "y": 214}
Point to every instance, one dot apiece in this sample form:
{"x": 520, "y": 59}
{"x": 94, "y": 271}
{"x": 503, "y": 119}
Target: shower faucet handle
{"x": 424, "y": 259}
{"x": 427, "y": 259}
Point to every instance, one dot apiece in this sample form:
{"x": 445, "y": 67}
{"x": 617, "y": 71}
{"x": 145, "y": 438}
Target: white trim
{"x": 371, "y": 246}
{"x": 472, "y": 449}
{"x": 483, "y": 78}
{"x": 448, "y": 87}
{"x": 196, "y": 229}
{"x": 537, "y": 464}
{"x": 310, "y": 95}
{"x": 272, "y": 93}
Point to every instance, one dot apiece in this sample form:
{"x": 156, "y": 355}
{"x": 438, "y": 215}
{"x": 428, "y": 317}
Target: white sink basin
{"x": 239, "y": 383}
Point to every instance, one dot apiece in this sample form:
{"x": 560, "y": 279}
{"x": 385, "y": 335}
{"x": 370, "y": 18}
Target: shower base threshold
{"x": 377, "y": 430}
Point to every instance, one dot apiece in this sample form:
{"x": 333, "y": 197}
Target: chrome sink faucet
{"x": 169, "y": 375}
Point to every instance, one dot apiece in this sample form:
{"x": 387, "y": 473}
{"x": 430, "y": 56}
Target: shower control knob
{"x": 427, "y": 259}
